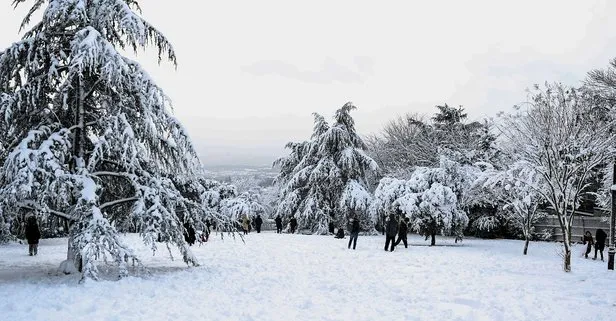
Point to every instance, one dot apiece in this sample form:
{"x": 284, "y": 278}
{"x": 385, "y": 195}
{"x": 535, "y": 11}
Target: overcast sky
{"x": 251, "y": 72}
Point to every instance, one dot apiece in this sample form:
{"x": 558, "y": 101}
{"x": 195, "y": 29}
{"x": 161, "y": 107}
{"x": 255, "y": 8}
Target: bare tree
{"x": 561, "y": 139}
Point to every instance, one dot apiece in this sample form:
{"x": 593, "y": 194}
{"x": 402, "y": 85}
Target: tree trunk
{"x": 526, "y": 246}
{"x": 433, "y": 240}
{"x": 72, "y": 264}
{"x": 567, "y": 256}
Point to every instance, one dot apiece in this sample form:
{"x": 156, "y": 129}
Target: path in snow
{"x": 298, "y": 277}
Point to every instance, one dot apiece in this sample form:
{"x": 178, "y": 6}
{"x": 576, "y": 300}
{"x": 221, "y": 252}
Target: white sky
{"x": 251, "y": 72}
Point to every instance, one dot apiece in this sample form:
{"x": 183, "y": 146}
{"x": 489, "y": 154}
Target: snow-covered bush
{"x": 514, "y": 194}
{"x": 428, "y": 198}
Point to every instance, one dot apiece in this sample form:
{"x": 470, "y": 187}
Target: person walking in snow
{"x": 245, "y": 223}
{"x": 258, "y": 223}
{"x": 278, "y": 221}
{"x": 33, "y": 234}
{"x": 402, "y": 231}
{"x": 600, "y": 237}
{"x": 354, "y": 232}
{"x": 293, "y": 224}
{"x": 587, "y": 239}
{"x": 391, "y": 228}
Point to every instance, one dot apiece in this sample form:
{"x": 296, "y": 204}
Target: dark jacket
{"x": 404, "y": 228}
{"x": 600, "y": 236}
{"x": 293, "y": 222}
{"x": 355, "y": 226}
{"x": 587, "y": 239}
{"x": 32, "y": 232}
{"x": 392, "y": 226}
{"x": 278, "y": 221}
{"x": 189, "y": 235}
{"x": 258, "y": 221}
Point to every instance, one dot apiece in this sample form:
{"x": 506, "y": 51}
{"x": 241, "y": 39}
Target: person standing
{"x": 391, "y": 227}
{"x": 293, "y": 224}
{"x": 278, "y": 221}
{"x": 402, "y": 232}
{"x": 587, "y": 239}
{"x": 600, "y": 237}
{"x": 189, "y": 234}
{"x": 208, "y": 224}
{"x": 354, "y": 231}
{"x": 33, "y": 234}
{"x": 245, "y": 223}
{"x": 258, "y": 223}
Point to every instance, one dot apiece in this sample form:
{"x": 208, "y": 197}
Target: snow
{"x": 299, "y": 277}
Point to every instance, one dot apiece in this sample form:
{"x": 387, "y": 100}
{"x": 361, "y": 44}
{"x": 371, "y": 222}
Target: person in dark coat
{"x": 587, "y": 239}
{"x": 340, "y": 234}
{"x": 600, "y": 237}
{"x": 391, "y": 228}
{"x": 33, "y": 234}
{"x": 189, "y": 235}
{"x": 208, "y": 224}
{"x": 332, "y": 228}
{"x": 402, "y": 231}
{"x": 258, "y": 223}
{"x": 354, "y": 231}
{"x": 293, "y": 224}
{"x": 278, "y": 221}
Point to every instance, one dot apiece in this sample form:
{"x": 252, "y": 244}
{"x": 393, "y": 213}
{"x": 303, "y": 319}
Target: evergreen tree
{"x": 430, "y": 198}
{"x": 89, "y": 135}
{"x": 326, "y": 179}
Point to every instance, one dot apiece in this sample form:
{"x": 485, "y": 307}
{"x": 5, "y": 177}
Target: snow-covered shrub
{"x": 428, "y": 198}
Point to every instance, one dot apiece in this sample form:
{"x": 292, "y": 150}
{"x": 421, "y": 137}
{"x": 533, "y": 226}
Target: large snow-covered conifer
{"x": 326, "y": 179}
{"x": 89, "y": 135}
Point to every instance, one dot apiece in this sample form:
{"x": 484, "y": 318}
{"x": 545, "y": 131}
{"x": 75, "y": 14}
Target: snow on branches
{"x": 430, "y": 198}
{"x": 89, "y": 135}
{"x": 514, "y": 194}
{"x": 560, "y": 138}
{"x": 326, "y": 179}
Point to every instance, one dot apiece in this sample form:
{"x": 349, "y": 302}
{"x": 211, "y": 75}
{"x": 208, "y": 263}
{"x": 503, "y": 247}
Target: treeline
{"x": 452, "y": 176}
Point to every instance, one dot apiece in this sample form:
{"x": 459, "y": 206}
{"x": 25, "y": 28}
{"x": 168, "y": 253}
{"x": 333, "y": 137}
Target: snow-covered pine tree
{"x": 326, "y": 179}
{"x": 89, "y": 135}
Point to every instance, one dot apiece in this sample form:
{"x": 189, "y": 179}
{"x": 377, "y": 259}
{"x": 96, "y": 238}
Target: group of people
{"x": 247, "y": 224}
{"x": 394, "y": 226}
{"x": 598, "y": 242}
{"x": 292, "y": 224}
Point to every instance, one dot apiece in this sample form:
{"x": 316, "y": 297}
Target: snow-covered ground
{"x": 297, "y": 277}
